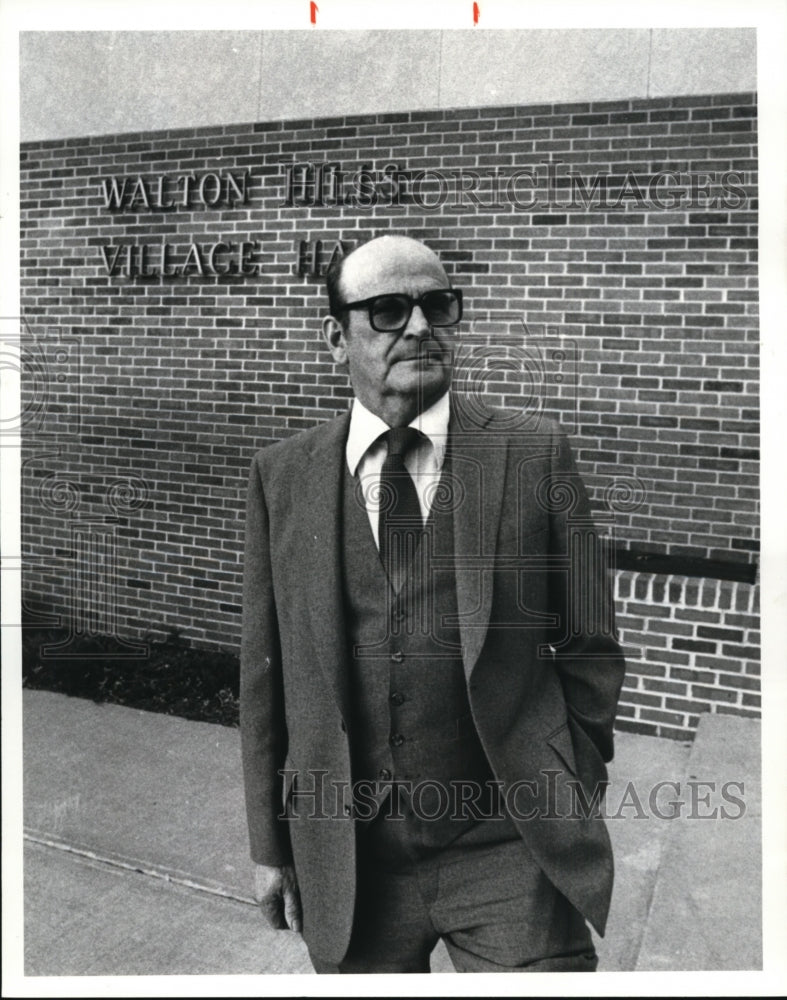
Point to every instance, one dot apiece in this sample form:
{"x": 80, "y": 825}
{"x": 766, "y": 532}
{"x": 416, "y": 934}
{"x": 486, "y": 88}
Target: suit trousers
{"x": 492, "y": 905}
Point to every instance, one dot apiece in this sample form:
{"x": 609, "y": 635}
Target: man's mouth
{"x": 420, "y": 359}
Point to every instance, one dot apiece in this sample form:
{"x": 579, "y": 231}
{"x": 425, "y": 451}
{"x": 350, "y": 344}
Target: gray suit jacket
{"x": 542, "y": 665}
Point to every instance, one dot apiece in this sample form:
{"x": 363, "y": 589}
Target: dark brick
{"x": 727, "y": 634}
{"x": 693, "y": 646}
{"x": 710, "y": 385}
{"x": 713, "y": 694}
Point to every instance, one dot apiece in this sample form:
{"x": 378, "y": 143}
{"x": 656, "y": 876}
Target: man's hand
{"x": 276, "y": 890}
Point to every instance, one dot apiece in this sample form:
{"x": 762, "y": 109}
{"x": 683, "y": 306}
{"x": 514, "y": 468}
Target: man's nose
{"x": 417, "y": 325}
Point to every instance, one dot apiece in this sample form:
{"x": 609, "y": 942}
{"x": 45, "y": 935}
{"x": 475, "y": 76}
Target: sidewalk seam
{"x": 137, "y": 867}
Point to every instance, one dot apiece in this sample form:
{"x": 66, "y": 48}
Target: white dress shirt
{"x": 366, "y": 454}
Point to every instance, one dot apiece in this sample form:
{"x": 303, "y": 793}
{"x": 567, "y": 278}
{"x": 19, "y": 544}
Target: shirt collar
{"x": 366, "y": 427}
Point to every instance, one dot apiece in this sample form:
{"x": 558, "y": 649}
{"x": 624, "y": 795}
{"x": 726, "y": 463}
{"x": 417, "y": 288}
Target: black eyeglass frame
{"x": 369, "y": 305}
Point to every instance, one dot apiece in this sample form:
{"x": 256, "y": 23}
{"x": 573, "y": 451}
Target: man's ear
{"x": 333, "y": 331}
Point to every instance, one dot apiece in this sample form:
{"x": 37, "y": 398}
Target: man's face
{"x": 393, "y": 374}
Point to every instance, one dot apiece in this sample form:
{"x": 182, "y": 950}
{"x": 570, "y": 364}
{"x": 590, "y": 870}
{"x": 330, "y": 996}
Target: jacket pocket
{"x": 561, "y": 742}
{"x": 289, "y": 781}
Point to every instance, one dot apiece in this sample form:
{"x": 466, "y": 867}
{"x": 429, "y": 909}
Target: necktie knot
{"x": 400, "y": 440}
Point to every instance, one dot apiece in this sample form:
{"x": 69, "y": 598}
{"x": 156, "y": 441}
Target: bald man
{"x": 425, "y": 717}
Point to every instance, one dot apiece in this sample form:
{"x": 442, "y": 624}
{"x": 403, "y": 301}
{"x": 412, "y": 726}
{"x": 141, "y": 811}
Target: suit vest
{"x": 412, "y": 735}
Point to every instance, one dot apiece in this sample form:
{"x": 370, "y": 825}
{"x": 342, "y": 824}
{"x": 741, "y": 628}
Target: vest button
{"x": 397, "y": 740}
{"x": 397, "y": 698}
{"x": 385, "y": 774}
{"x": 398, "y": 656}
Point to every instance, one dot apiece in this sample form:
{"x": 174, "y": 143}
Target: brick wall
{"x": 692, "y": 646}
{"x": 627, "y": 308}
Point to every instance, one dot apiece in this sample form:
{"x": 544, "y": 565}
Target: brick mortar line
{"x": 137, "y": 867}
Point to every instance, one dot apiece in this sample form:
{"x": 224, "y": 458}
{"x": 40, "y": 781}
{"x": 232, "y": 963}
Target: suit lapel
{"x": 478, "y": 463}
{"x": 319, "y": 511}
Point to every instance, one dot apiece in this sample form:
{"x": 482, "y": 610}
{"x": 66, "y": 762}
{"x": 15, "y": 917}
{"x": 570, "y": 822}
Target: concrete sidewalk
{"x": 136, "y": 858}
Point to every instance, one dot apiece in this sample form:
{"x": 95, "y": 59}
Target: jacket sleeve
{"x": 588, "y": 657}
{"x": 262, "y": 720}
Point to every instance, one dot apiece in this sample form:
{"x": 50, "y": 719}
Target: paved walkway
{"x": 136, "y": 858}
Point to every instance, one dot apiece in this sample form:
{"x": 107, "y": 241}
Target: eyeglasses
{"x": 391, "y": 313}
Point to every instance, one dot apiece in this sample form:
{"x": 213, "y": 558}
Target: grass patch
{"x": 174, "y": 678}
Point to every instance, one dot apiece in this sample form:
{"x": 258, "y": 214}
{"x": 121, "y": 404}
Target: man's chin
{"x": 419, "y": 379}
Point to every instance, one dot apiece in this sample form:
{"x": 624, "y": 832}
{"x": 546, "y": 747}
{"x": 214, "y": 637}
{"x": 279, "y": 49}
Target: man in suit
{"x": 429, "y": 673}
